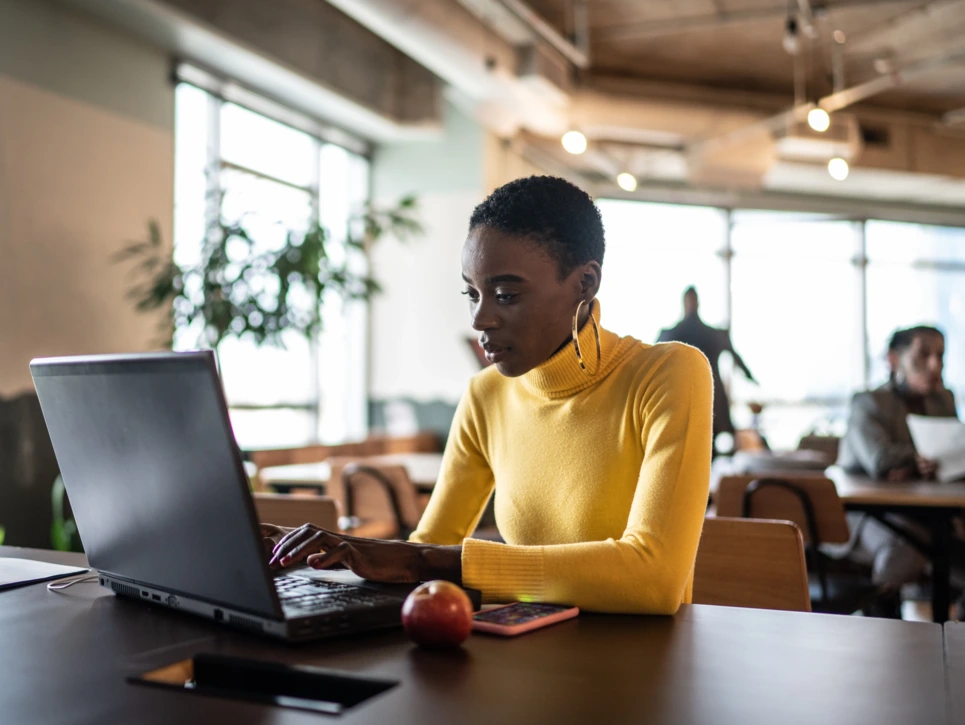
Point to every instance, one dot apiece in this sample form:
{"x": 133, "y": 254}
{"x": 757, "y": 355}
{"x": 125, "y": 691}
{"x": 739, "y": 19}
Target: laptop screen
{"x": 153, "y": 474}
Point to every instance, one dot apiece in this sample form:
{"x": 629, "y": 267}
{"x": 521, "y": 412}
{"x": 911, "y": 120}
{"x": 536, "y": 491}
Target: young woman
{"x": 597, "y": 446}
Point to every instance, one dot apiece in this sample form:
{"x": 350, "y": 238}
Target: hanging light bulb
{"x": 574, "y": 142}
{"x": 838, "y": 168}
{"x": 627, "y": 181}
{"x": 791, "y": 40}
{"x": 819, "y": 120}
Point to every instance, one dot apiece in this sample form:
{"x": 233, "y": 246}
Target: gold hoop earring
{"x": 576, "y": 340}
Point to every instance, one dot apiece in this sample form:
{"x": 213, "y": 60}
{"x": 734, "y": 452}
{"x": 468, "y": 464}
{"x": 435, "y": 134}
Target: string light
{"x": 627, "y": 181}
{"x": 838, "y": 168}
{"x": 574, "y": 142}
{"x": 819, "y": 120}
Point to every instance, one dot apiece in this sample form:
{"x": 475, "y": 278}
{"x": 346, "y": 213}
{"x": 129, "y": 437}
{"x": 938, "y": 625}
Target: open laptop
{"x": 162, "y": 502}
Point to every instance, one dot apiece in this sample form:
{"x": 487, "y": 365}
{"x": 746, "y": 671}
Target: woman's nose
{"x": 484, "y": 317}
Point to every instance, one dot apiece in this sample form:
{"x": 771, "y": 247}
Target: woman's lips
{"x": 496, "y": 354}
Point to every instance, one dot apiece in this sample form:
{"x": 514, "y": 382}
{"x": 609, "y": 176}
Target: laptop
{"x": 163, "y": 505}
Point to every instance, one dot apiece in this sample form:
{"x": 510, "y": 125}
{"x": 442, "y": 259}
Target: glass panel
{"x": 261, "y": 144}
{"x": 342, "y": 350}
{"x": 796, "y": 302}
{"x": 190, "y": 177}
{"x": 268, "y": 375}
{"x": 911, "y": 243}
{"x": 272, "y": 428}
{"x": 653, "y": 253}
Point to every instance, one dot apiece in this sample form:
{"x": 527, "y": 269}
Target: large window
{"x": 276, "y": 180}
{"x": 810, "y": 301}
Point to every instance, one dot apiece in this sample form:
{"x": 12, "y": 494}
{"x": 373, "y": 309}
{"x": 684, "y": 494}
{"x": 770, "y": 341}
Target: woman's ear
{"x": 590, "y": 279}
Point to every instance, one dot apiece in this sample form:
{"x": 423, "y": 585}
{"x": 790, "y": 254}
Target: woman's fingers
{"x": 293, "y": 534}
{"x": 292, "y": 541}
{"x": 339, "y": 554}
{"x": 311, "y": 545}
{"x": 305, "y": 541}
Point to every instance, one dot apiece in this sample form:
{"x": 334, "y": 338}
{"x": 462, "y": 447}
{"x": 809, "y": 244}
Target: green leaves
{"x": 265, "y": 292}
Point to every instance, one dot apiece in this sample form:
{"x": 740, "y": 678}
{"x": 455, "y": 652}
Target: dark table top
{"x": 955, "y": 671}
{"x": 67, "y": 656}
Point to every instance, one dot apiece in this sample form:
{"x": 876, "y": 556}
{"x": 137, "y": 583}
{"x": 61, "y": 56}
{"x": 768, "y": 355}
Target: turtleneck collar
{"x": 562, "y": 375}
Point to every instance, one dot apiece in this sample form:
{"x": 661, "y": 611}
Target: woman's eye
{"x": 504, "y": 298}
{"x": 471, "y": 294}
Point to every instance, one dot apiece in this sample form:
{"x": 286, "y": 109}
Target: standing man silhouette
{"x": 712, "y": 342}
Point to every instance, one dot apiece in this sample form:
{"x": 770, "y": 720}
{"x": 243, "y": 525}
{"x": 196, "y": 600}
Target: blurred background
{"x": 801, "y": 164}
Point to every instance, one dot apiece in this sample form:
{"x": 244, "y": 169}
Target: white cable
{"x": 60, "y": 585}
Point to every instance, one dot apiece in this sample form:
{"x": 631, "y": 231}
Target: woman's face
{"x": 518, "y": 303}
{"x": 922, "y": 363}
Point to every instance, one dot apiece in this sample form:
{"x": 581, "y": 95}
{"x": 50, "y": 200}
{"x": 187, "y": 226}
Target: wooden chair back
{"x": 751, "y": 563}
{"x": 284, "y": 509}
{"x": 381, "y": 497}
{"x": 775, "y": 495}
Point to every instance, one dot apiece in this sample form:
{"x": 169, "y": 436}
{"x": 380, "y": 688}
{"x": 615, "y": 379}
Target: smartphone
{"x": 519, "y": 617}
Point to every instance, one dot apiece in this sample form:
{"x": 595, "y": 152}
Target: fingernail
{"x": 285, "y": 560}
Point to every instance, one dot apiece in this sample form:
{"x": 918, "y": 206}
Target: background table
{"x": 706, "y": 665}
{"x": 933, "y": 504}
{"x": 423, "y": 470}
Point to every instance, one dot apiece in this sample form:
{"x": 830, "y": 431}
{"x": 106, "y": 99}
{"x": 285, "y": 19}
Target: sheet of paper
{"x": 941, "y": 440}
{"x": 15, "y": 572}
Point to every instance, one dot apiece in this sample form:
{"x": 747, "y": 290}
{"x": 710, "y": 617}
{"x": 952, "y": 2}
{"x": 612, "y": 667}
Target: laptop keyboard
{"x": 319, "y": 596}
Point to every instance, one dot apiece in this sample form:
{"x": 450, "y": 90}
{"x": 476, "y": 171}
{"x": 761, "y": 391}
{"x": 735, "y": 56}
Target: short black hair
{"x": 903, "y": 339}
{"x": 691, "y": 290}
{"x": 554, "y": 213}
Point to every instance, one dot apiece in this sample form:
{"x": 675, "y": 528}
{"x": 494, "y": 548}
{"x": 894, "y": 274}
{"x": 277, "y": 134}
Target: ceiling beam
{"x": 655, "y": 28}
{"x": 870, "y": 39}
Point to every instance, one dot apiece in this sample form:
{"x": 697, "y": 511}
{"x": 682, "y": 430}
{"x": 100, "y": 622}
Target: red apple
{"x": 437, "y": 614}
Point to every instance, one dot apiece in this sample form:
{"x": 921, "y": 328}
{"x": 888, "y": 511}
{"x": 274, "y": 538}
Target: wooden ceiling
{"x": 737, "y": 44}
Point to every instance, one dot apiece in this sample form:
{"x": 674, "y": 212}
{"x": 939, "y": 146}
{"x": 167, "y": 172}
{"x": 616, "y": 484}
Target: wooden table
{"x": 933, "y": 504}
{"x": 423, "y": 469}
{"x": 706, "y": 665}
{"x": 955, "y": 672}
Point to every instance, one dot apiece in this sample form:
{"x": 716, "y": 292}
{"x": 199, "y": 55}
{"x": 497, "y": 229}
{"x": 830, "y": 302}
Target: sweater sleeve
{"x": 464, "y": 486}
{"x": 649, "y": 569}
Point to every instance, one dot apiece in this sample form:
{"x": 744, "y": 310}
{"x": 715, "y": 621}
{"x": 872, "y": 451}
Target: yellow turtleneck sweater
{"x": 601, "y": 482}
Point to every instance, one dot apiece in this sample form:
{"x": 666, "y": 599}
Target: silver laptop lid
{"x": 154, "y": 475}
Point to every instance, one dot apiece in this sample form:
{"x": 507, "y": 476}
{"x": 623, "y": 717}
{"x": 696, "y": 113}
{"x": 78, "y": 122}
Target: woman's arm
{"x": 648, "y": 569}
{"x": 465, "y": 481}
{"x": 458, "y": 499}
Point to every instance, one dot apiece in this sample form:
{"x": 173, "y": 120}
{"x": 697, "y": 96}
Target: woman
{"x": 598, "y": 446}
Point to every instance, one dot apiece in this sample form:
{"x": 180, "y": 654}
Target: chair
{"x": 374, "y": 445}
{"x": 826, "y": 444}
{"x": 751, "y": 563}
{"x": 379, "y": 500}
{"x": 284, "y": 509}
{"x": 810, "y": 501}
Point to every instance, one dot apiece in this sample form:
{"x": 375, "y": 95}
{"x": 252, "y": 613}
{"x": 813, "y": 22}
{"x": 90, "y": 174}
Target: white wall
{"x": 419, "y": 323}
{"x": 86, "y": 158}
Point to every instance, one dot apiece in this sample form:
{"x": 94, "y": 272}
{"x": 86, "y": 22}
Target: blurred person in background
{"x": 879, "y": 444}
{"x": 712, "y": 342}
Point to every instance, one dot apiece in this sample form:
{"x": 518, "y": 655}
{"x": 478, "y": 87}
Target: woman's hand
{"x": 383, "y": 561}
{"x": 273, "y": 535}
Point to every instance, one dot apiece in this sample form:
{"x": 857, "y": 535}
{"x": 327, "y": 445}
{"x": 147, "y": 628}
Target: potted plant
{"x": 240, "y": 289}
